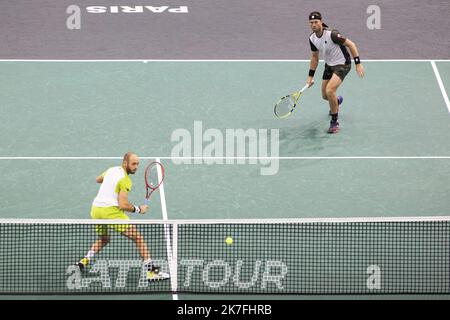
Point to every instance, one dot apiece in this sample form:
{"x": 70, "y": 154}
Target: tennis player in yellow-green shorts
{"x": 111, "y": 203}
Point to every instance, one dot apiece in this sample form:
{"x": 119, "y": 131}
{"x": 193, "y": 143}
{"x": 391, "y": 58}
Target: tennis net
{"x": 409, "y": 255}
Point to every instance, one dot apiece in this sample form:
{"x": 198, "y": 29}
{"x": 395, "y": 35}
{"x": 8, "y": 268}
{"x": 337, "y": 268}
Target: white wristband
{"x": 137, "y": 209}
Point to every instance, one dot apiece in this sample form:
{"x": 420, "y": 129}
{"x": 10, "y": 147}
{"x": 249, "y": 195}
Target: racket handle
{"x": 146, "y": 201}
{"x": 304, "y": 88}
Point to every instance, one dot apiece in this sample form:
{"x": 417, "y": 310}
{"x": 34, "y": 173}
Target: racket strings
{"x": 284, "y": 106}
{"x": 153, "y": 178}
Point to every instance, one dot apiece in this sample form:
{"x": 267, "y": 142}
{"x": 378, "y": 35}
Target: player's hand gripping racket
{"x": 286, "y": 105}
{"x": 153, "y": 178}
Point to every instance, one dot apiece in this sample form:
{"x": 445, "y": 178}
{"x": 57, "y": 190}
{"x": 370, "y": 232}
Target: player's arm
{"x": 99, "y": 179}
{"x": 354, "y": 52}
{"x": 125, "y": 205}
{"x": 313, "y": 63}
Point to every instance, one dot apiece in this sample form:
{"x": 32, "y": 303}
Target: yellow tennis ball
{"x": 229, "y": 240}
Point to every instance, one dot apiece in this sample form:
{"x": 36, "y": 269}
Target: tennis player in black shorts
{"x": 337, "y": 62}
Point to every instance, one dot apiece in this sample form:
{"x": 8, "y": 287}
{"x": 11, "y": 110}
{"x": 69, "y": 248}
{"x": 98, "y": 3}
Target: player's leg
{"x": 100, "y": 243}
{"x": 340, "y": 99}
{"x": 95, "y": 248}
{"x": 132, "y": 233}
{"x": 327, "y": 74}
{"x": 339, "y": 74}
{"x": 324, "y": 89}
{"x": 102, "y": 231}
{"x": 330, "y": 91}
{"x": 153, "y": 271}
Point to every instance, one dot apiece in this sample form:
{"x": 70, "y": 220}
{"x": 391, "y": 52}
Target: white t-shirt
{"x": 331, "y": 46}
{"x": 115, "y": 179}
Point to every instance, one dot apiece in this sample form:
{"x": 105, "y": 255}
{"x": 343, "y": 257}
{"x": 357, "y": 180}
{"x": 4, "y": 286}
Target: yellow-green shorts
{"x": 109, "y": 213}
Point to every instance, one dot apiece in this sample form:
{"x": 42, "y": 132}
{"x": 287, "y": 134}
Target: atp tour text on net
{"x": 234, "y": 146}
{"x": 270, "y": 273}
{"x": 265, "y": 274}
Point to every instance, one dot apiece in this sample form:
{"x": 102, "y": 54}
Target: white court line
{"x": 240, "y": 158}
{"x": 162, "y": 196}
{"x": 227, "y": 221}
{"x": 210, "y": 60}
{"x": 441, "y": 85}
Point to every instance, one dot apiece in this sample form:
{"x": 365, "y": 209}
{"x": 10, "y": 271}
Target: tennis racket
{"x": 153, "y": 179}
{"x": 286, "y": 105}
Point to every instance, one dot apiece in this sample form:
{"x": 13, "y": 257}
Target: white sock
{"x": 90, "y": 254}
{"x": 148, "y": 263}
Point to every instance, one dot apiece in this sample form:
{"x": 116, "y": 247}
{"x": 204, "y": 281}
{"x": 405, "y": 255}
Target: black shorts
{"x": 341, "y": 70}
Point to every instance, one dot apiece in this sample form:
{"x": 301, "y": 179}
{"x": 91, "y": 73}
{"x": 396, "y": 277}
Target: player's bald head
{"x": 130, "y": 162}
{"x": 128, "y": 155}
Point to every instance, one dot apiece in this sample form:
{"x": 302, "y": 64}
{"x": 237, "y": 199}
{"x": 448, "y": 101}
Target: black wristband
{"x": 311, "y": 72}
{"x": 137, "y": 209}
{"x": 357, "y": 61}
